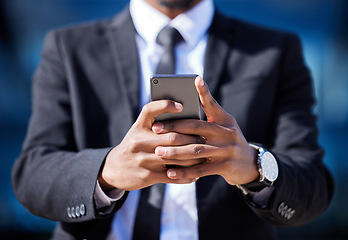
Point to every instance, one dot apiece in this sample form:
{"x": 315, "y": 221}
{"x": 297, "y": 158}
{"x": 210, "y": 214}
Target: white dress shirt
{"x": 179, "y": 219}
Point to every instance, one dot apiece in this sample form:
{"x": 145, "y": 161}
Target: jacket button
{"x": 73, "y": 212}
{"x": 280, "y": 208}
{"x": 77, "y": 211}
{"x": 69, "y": 213}
{"x": 82, "y": 209}
{"x": 285, "y": 208}
{"x": 290, "y": 214}
{"x": 287, "y": 213}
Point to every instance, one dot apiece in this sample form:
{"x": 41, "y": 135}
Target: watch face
{"x": 269, "y": 166}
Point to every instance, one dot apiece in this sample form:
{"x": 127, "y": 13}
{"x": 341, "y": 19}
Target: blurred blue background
{"x": 321, "y": 24}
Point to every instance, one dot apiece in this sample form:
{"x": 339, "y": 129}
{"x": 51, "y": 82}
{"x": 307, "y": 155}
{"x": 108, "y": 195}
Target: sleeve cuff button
{"x": 82, "y": 209}
{"x": 69, "y": 212}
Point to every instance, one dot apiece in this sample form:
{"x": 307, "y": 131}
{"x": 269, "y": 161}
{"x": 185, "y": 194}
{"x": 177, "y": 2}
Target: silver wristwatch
{"x": 267, "y": 165}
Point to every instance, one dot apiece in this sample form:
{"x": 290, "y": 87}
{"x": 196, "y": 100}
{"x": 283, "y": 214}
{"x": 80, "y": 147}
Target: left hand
{"x": 226, "y": 151}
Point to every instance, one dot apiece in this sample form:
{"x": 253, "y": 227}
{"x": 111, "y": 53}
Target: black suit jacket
{"x": 86, "y": 97}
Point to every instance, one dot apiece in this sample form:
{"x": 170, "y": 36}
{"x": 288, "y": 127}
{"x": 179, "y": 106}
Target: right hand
{"x": 133, "y": 164}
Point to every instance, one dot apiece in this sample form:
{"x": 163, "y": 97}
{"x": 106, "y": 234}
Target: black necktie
{"x": 168, "y": 37}
{"x": 148, "y": 219}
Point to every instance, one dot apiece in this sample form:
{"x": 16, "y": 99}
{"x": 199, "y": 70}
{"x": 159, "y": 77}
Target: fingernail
{"x": 160, "y": 151}
{"x": 171, "y": 173}
{"x": 157, "y": 127}
{"x": 201, "y": 140}
{"x": 202, "y": 82}
{"x": 178, "y": 106}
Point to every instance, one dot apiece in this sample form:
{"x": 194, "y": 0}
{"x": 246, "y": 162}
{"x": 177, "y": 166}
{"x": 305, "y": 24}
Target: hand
{"x": 133, "y": 164}
{"x": 226, "y": 152}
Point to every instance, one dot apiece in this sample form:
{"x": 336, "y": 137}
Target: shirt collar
{"x": 148, "y": 21}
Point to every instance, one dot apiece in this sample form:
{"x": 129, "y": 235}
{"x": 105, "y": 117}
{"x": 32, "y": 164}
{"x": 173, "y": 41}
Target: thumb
{"x": 151, "y": 110}
{"x": 215, "y": 113}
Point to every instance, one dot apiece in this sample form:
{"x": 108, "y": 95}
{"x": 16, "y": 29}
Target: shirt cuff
{"x": 106, "y": 200}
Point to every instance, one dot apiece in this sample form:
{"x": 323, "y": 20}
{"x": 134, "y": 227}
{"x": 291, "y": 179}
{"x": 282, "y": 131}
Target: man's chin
{"x": 177, "y": 4}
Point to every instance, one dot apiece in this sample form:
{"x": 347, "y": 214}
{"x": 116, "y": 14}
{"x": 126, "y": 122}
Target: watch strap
{"x": 256, "y": 185}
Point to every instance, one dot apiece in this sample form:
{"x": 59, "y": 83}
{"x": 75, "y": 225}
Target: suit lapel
{"x": 218, "y": 48}
{"x": 124, "y": 51}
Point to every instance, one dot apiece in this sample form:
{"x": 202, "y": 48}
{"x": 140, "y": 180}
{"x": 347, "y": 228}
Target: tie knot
{"x": 168, "y": 37}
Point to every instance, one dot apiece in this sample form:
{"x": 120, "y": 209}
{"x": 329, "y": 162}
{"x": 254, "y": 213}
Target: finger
{"x": 190, "y": 127}
{"x": 193, "y": 172}
{"x": 151, "y": 110}
{"x": 162, "y": 177}
{"x": 211, "y": 108}
{"x": 158, "y": 172}
{"x": 178, "y": 139}
{"x": 214, "y": 112}
{"x": 193, "y": 151}
{"x": 172, "y": 163}
{"x": 154, "y": 163}
{"x": 167, "y": 136}
{"x": 180, "y": 181}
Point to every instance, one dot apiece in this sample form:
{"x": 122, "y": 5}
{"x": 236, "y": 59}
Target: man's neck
{"x": 172, "y": 8}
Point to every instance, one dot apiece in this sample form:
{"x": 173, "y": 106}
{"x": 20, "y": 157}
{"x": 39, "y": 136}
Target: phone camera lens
{"x": 155, "y": 81}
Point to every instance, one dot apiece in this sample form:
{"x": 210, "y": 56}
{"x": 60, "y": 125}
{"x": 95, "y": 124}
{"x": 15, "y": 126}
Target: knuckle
{"x": 170, "y": 126}
{"x": 145, "y": 174}
{"x": 206, "y": 89}
{"x": 184, "y": 174}
{"x": 172, "y": 137}
{"x": 133, "y": 145}
{"x": 172, "y": 152}
{"x": 213, "y": 101}
{"x": 231, "y": 150}
{"x": 234, "y": 132}
{"x": 146, "y": 109}
{"x": 139, "y": 162}
{"x": 199, "y": 171}
{"x": 167, "y": 104}
{"x": 198, "y": 149}
{"x": 195, "y": 125}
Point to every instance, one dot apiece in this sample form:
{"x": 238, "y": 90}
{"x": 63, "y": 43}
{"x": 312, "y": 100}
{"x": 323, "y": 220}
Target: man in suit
{"x": 90, "y": 157}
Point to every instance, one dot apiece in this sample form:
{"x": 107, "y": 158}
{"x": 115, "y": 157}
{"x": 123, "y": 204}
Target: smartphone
{"x": 179, "y": 88}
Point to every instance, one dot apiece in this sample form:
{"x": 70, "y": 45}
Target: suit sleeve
{"x": 304, "y": 187}
{"x": 51, "y": 177}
